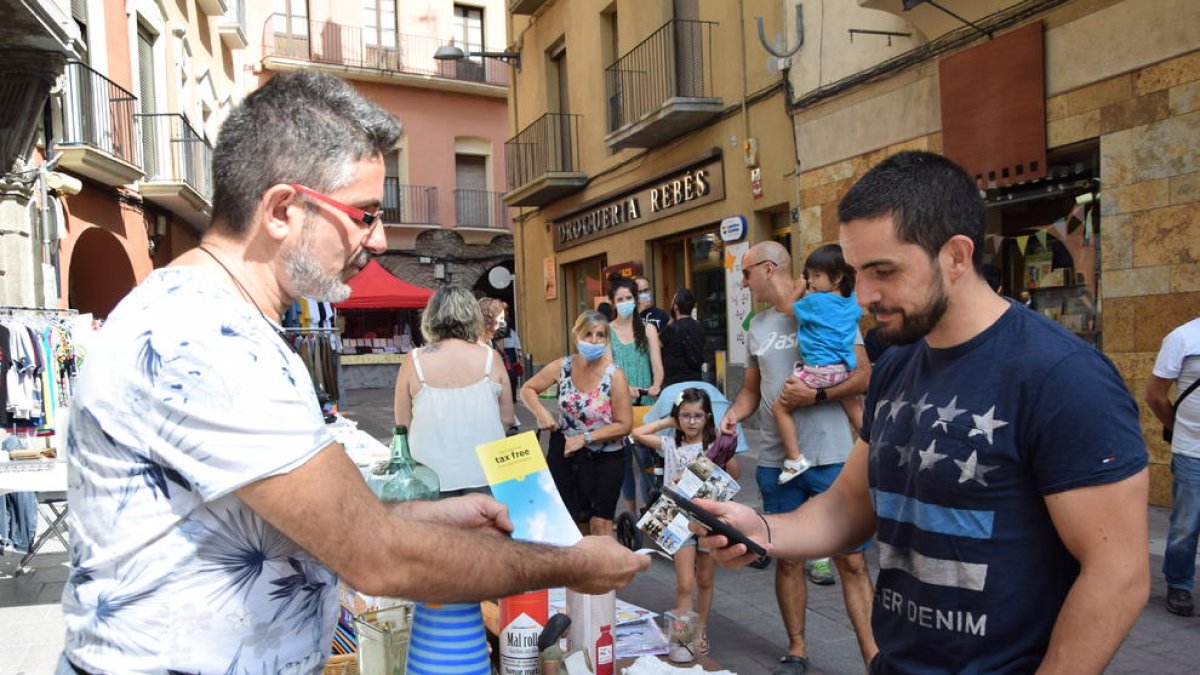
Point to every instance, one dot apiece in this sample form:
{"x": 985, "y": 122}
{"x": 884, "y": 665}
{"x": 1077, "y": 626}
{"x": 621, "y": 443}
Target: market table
{"x": 48, "y": 478}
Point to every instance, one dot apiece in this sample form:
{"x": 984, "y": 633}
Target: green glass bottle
{"x": 402, "y": 478}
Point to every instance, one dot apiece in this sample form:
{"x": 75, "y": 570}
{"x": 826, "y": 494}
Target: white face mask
{"x": 625, "y": 309}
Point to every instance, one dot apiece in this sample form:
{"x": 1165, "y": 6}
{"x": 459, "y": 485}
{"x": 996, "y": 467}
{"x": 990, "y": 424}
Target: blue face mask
{"x": 590, "y": 351}
{"x": 625, "y": 309}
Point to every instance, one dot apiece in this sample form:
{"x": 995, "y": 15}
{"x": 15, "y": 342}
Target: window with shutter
{"x": 147, "y": 104}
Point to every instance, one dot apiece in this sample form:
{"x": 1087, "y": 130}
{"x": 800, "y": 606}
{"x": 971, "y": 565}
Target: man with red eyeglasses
{"x": 212, "y": 513}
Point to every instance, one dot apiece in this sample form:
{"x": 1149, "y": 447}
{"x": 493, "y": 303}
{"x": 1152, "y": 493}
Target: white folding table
{"x": 49, "y": 480}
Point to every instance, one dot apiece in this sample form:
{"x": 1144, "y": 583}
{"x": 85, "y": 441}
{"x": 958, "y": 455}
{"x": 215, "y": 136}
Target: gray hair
{"x": 587, "y": 319}
{"x": 302, "y": 127}
{"x": 452, "y": 312}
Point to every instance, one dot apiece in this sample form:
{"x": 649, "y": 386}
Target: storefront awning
{"x": 375, "y": 288}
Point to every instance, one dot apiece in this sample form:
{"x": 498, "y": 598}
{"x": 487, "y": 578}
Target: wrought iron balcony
{"x": 542, "y": 161}
{"x": 662, "y": 88}
{"x": 409, "y": 204}
{"x": 325, "y": 42}
{"x": 480, "y": 208}
{"x": 100, "y": 139}
{"x": 178, "y": 167}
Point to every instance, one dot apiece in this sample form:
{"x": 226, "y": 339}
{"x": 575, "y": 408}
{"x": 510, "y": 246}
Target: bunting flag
{"x": 1040, "y": 235}
{"x": 1060, "y": 226}
{"x": 1022, "y": 242}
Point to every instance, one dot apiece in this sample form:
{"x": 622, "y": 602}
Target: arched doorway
{"x": 101, "y": 274}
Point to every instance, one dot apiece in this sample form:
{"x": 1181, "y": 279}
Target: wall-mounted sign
{"x": 737, "y": 301}
{"x": 694, "y": 185}
{"x": 627, "y": 269}
{"x": 756, "y": 188}
{"x": 733, "y": 228}
{"x": 549, "y": 278}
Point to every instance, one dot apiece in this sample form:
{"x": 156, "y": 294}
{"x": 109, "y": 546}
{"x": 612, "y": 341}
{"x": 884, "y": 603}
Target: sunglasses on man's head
{"x": 747, "y": 268}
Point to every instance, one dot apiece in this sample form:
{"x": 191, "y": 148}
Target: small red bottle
{"x": 604, "y": 651}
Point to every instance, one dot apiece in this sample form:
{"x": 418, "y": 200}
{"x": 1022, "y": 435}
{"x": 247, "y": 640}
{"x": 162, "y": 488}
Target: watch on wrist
{"x": 821, "y": 395}
{"x": 587, "y": 437}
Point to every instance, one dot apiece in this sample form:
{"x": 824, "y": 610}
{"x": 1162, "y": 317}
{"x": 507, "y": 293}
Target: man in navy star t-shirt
{"x": 1000, "y": 462}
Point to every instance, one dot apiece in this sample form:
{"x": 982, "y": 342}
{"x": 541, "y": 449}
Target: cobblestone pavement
{"x": 746, "y": 631}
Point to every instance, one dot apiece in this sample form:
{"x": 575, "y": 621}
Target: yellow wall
{"x": 543, "y": 324}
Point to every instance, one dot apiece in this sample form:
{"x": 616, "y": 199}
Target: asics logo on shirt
{"x": 774, "y": 340}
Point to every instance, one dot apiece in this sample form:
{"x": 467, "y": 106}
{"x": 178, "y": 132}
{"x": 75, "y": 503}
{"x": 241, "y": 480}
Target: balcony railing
{"x": 408, "y": 204}
{"x": 549, "y": 145}
{"x": 175, "y": 153}
{"x": 674, "y": 62}
{"x": 480, "y": 208}
{"x": 358, "y": 47}
{"x": 100, "y": 113}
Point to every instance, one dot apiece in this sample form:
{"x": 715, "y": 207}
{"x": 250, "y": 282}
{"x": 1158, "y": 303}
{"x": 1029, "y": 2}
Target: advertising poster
{"x": 737, "y": 300}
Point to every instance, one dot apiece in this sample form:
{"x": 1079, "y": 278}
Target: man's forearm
{"x": 432, "y": 562}
{"x": 1098, "y": 613}
{"x": 855, "y": 385}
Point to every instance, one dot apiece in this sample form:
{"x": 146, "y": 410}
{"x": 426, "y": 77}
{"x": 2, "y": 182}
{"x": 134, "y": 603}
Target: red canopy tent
{"x": 375, "y": 288}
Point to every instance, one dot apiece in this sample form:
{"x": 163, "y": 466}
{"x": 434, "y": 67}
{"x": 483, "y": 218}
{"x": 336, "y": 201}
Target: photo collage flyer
{"x": 666, "y": 523}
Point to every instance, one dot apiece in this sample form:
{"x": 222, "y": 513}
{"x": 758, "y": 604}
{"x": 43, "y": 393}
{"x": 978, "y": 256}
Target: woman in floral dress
{"x": 587, "y": 446}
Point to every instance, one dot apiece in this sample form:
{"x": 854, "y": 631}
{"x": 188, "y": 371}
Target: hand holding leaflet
{"x": 714, "y": 524}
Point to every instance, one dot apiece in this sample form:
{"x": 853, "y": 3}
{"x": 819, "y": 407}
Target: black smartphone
{"x": 713, "y": 523}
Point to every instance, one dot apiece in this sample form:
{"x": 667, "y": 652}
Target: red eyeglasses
{"x": 355, "y": 213}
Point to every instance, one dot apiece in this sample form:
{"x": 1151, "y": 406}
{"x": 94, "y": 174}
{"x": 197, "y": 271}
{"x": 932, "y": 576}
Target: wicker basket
{"x": 341, "y": 664}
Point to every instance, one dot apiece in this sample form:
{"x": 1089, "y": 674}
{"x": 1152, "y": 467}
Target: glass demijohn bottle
{"x": 402, "y": 478}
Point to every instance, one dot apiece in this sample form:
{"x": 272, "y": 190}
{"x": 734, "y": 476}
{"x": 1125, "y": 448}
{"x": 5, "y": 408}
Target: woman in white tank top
{"x": 453, "y": 393}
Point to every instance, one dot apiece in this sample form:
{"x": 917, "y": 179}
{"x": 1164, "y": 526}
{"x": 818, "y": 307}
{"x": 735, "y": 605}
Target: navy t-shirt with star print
{"x": 965, "y": 444}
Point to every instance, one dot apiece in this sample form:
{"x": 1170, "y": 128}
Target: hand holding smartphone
{"x": 712, "y": 523}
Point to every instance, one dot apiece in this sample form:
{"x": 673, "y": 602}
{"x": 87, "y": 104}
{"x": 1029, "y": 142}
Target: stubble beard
{"x": 304, "y": 271}
{"x": 921, "y": 322}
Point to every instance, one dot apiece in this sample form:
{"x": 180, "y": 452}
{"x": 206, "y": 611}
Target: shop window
{"x": 1045, "y": 239}
{"x": 585, "y": 286}
{"x": 696, "y": 261}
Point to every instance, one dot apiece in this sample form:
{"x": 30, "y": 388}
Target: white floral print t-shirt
{"x": 188, "y": 395}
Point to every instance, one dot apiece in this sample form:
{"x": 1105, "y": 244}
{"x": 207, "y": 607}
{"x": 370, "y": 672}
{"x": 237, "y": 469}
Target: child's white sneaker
{"x": 793, "y": 468}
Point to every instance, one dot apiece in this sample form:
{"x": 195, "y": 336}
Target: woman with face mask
{"x": 587, "y": 449}
{"x": 634, "y": 344}
{"x": 635, "y": 348}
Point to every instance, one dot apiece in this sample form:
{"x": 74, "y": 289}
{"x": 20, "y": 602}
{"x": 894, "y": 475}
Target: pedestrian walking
{"x": 1178, "y": 363}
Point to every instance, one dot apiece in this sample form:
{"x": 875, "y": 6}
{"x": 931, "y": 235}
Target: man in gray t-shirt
{"x": 824, "y": 434}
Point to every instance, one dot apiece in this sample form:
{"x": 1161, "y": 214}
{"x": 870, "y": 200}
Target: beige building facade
{"x": 642, "y": 127}
{"x": 124, "y": 144}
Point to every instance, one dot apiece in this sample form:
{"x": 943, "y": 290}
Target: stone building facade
{"x": 1122, "y": 112}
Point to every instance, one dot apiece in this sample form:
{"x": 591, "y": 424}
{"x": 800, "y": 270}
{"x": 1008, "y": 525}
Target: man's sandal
{"x": 791, "y": 664}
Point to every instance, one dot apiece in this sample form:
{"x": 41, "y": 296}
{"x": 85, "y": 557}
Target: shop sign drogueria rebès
{"x": 674, "y": 192}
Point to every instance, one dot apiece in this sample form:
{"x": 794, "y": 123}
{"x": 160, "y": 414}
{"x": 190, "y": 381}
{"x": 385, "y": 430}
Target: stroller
{"x": 627, "y": 531}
